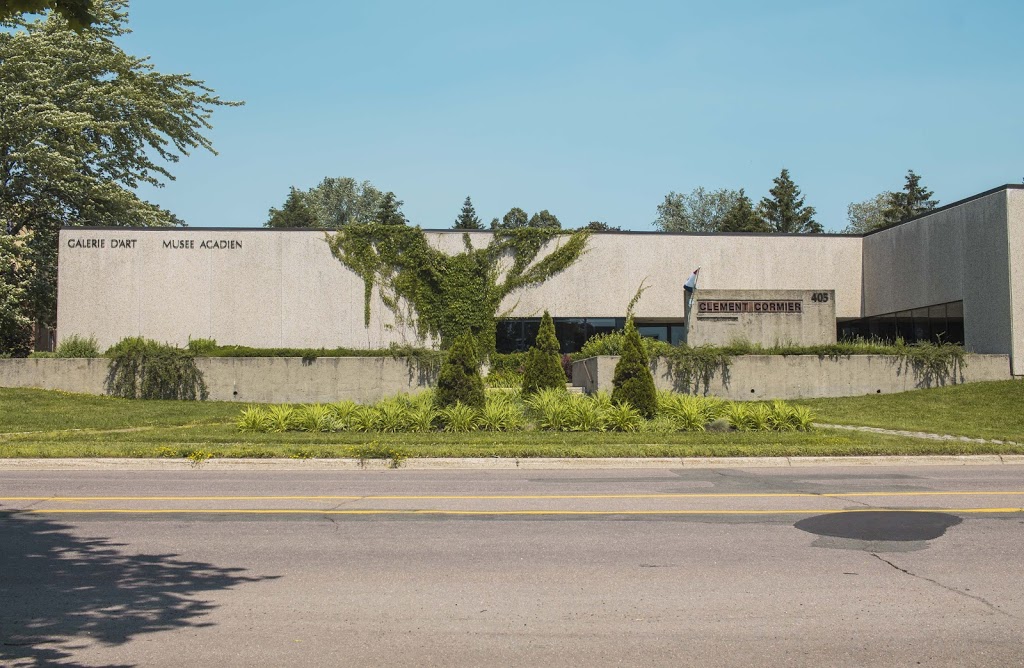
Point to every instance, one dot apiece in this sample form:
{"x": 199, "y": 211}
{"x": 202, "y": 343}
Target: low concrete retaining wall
{"x": 245, "y": 379}
{"x": 368, "y": 379}
{"x": 799, "y": 376}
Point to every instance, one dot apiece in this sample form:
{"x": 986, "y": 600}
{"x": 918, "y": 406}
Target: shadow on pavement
{"x": 59, "y": 591}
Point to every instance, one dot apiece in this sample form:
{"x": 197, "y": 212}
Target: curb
{"x": 494, "y": 463}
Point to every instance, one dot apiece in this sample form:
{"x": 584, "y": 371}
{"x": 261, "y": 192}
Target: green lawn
{"x": 981, "y": 410}
{"x": 69, "y": 425}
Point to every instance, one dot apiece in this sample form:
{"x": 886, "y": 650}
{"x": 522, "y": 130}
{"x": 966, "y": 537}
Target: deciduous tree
{"x": 698, "y": 211}
{"x": 868, "y": 215}
{"x": 82, "y": 124}
{"x": 79, "y": 14}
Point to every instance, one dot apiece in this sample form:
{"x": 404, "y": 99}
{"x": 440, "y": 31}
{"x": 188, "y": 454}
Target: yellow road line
{"x": 374, "y": 511}
{"x": 62, "y": 499}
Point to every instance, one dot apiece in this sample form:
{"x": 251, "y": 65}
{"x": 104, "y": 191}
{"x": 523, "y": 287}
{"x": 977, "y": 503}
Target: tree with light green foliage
{"x": 632, "y": 381}
{"x": 543, "y": 368}
{"x": 697, "y": 211}
{"x": 15, "y": 325}
{"x": 84, "y": 125}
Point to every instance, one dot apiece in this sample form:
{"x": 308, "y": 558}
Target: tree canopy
{"x": 698, "y": 211}
{"x": 742, "y": 217}
{"x": 79, "y": 14}
{"x": 890, "y": 207}
{"x": 82, "y": 125}
{"x": 333, "y": 203}
{"x": 517, "y": 218}
{"x": 912, "y": 201}
{"x": 294, "y": 213}
{"x": 784, "y": 211}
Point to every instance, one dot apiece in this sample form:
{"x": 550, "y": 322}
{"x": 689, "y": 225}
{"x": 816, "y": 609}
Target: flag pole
{"x": 689, "y": 290}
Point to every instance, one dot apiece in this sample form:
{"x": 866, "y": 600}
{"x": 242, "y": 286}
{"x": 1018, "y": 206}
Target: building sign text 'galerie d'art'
{"x": 170, "y": 244}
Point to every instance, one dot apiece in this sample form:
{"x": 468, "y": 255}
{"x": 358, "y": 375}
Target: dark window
{"x": 941, "y": 322}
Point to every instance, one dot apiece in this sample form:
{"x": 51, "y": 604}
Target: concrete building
{"x": 957, "y": 272}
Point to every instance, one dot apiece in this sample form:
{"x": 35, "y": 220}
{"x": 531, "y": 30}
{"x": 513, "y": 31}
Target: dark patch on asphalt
{"x": 600, "y": 480}
{"x": 880, "y": 526}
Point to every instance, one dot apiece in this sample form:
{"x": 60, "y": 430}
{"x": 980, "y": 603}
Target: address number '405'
{"x": 819, "y": 297}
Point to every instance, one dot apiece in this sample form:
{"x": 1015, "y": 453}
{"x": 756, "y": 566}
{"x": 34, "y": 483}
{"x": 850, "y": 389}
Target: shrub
{"x": 504, "y": 379}
{"x": 459, "y": 380}
{"x": 633, "y": 381}
{"x": 394, "y": 415}
{"x": 544, "y": 362}
{"x": 281, "y": 418}
{"x": 253, "y": 418}
{"x": 502, "y": 413}
{"x": 144, "y": 369}
{"x": 460, "y": 418}
{"x": 314, "y": 418}
{"x": 613, "y": 343}
{"x": 549, "y": 408}
{"x": 78, "y": 346}
{"x": 623, "y": 417}
{"x": 363, "y": 418}
{"x": 342, "y": 413}
{"x": 583, "y": 414}
{"x": 202, "y": 347}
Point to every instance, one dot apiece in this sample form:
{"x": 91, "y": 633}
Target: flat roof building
{"x": 955, "y": 273}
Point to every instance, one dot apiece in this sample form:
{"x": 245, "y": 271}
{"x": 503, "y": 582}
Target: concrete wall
{"x": 368, "y": 379}
{"x": 814, "y": 324}
{"x": 752, "y": 377}
{"x": 252, "y": 379}
{"x": 279, "y": 288}
{"x": 1015, "y": 233}
{"x": 960, "y": 253}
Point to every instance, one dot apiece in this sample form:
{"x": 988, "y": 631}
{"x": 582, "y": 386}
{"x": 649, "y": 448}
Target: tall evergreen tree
{"x": 544, "y": 361}
{"x": 742, "y": 217}
{"x": 633, "y": 382}
{"x": 784, "y": 211}
{"x": 294, "y": 213}
{"x": 459, "y": 379}
{"x": 468, "y": 220}
{"x": 912, "y": 201}
{"x": 390, "y": 210}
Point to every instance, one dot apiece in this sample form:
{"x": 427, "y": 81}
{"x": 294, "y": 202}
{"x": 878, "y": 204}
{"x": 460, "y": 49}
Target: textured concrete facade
{"x": 280, "y": 288}
{"x": 284, "y": 288}
{"x": 757, "y": 377}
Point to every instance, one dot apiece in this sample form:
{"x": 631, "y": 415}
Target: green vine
{"x": 442, "y": 295}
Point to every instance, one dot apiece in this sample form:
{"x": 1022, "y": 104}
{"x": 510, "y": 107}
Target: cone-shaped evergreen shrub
{"x": 459, "y": 379}
{"x": 543, "y": 367}
{"x": 633, "y": 381}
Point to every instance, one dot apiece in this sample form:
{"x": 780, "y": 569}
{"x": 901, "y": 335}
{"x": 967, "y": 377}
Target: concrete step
{"x": 572, "y": 389}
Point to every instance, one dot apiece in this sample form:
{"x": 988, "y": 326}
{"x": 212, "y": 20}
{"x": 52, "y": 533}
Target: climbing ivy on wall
{"x": 442, "y": 295}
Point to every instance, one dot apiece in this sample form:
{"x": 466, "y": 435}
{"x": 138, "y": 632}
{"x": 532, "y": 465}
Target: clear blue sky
{"x": 593, "y": 110}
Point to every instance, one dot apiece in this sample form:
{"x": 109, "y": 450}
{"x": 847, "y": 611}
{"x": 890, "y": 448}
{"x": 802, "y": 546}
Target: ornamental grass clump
{"x": 314, "y": 418}
{"x": 78, "y": 346}
{"x": 633, "y": 381}
{"x": 460, "y": 418}
{"x": 543, "y": 368}
{"x": 502, "y": 412}
{"x": 253, "y": 418}
{"x": 459, "y": 380}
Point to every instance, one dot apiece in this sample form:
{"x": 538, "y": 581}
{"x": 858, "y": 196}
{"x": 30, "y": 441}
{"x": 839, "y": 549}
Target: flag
{"x": 691, "y": 282}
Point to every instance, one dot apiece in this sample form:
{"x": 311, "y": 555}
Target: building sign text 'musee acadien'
{"x": 708, "y": 306}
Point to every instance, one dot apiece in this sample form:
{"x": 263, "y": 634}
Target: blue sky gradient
{"x": 593, "y": 110}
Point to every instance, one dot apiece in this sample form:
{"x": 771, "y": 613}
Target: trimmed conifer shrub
{"x": 633, "y": 381}
{"x": 459, "y": 379}
{"x": 543, "y": 367}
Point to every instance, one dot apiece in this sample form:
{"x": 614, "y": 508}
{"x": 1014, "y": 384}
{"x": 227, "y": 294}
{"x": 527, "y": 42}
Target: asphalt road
{"x": 783, "y": 567}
